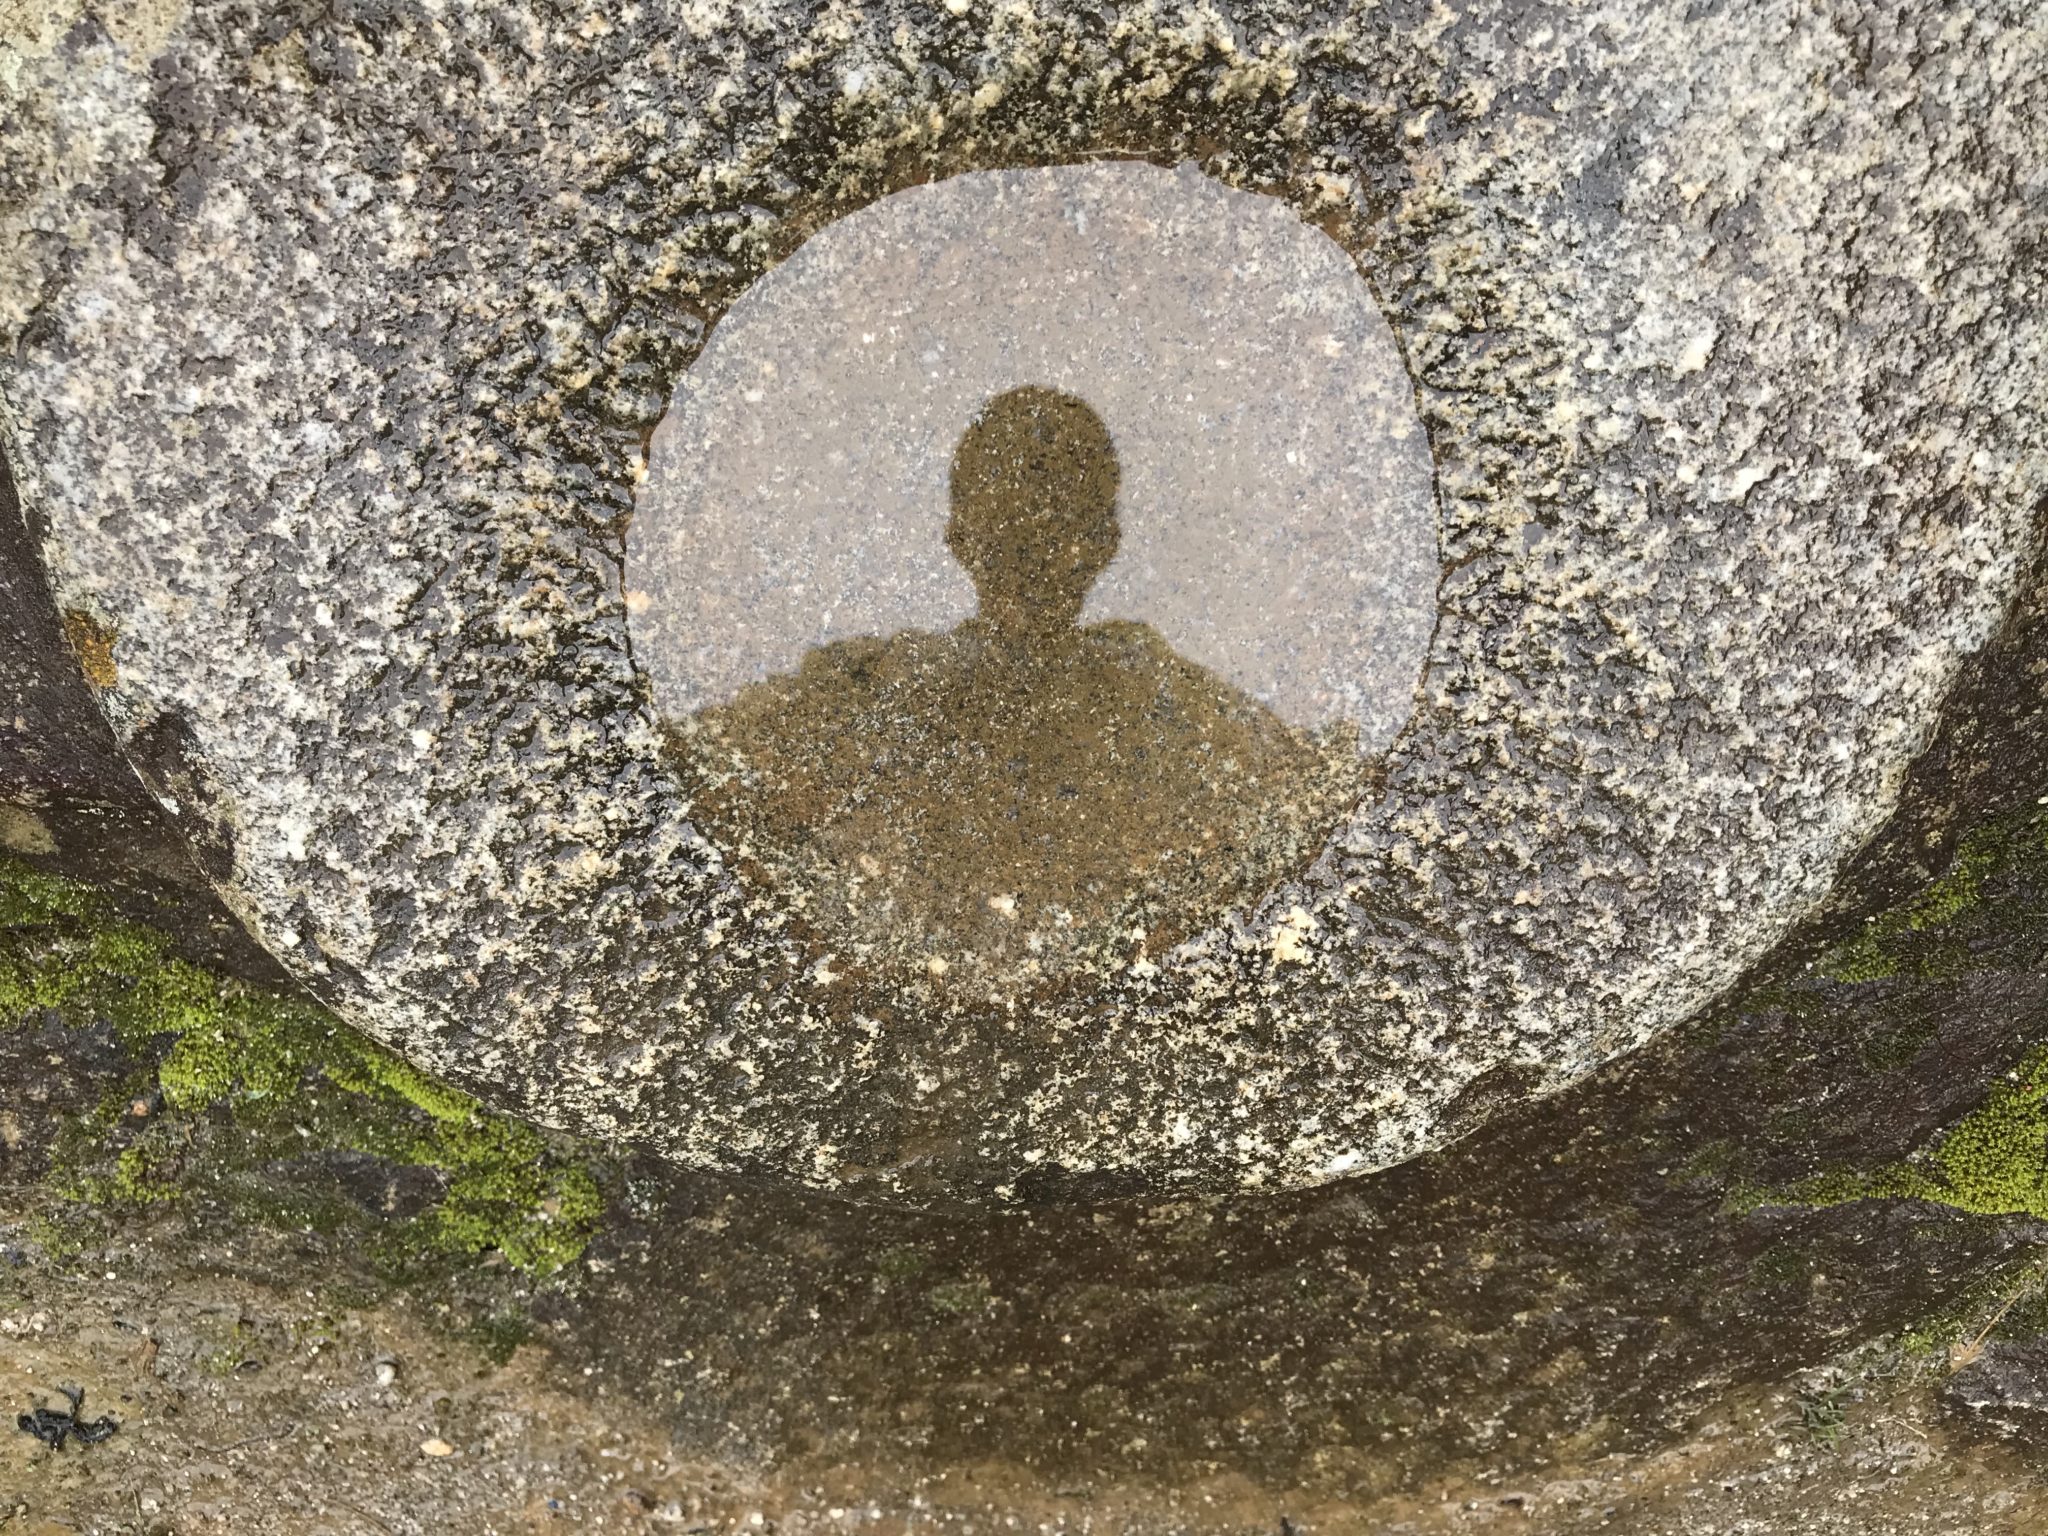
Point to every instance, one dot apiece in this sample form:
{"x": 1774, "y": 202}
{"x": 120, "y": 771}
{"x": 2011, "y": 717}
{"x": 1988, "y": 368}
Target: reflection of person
{"x": 1020, "y": 777}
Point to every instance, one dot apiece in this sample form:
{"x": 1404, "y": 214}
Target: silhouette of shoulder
{"x": 1193, "y": 697}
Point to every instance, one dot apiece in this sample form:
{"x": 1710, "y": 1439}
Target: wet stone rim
{"x": 431, "y": 756}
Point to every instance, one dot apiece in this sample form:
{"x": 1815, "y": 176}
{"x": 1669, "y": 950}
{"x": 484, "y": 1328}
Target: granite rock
{"x": 331, "y": 343}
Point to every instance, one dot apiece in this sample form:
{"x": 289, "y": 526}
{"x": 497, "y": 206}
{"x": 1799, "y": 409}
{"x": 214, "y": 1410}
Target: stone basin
{"x": 1666, "y": 431}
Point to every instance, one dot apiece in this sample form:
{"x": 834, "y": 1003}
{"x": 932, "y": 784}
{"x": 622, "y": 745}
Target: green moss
{"x": 1928, "y": 1340}
{"x": 1908, "y": 940}
{"x": 960, "y": 1298}
{"x": 29, "y": 896}
{"x": 1980, "y": 913}
{"x": 1780, "y": 1266}
{"x": 278, "y": 1065}
{"x": 139, "y": 1178}
{"x": 1710, "y": 1161}
{"x": 61, "y": 1235}
{"x": 1992, "y": 1162}
{"x": 2007, "y": 1302}
{"x": 902, "y": 1262}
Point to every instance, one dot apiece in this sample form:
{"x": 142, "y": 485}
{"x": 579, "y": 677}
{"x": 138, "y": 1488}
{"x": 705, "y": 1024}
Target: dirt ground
{"x": 250, "y": 1398}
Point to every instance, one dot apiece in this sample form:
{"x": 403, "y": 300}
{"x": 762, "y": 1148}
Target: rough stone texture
{"x": 332, "y": 337}
{"x": 1586, "y": 1316}
{"x": 2006, "y": 1390}
{"x": 67, "y": 798}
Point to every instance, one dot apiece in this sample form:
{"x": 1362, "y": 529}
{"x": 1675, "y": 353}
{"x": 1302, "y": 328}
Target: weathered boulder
{"x": 330, "y": 351}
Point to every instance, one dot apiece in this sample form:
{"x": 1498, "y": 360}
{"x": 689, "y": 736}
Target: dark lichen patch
{"x": 236, "y": 1080}
{"x": 2023, "y": 1314}
{"x": 498, "y": 1332}
{"x": 961, "y": 1298}
{"x": 1781, "y": 1265}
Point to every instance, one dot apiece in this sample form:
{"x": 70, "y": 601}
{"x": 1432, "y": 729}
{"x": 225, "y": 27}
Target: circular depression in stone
{"x": 1038, "y": 561}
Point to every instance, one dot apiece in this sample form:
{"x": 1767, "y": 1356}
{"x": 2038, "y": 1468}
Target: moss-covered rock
{"x": 1993, "y": 1161}
{"x": 287, "y": 1076}
{"x": 1927, "y": 934}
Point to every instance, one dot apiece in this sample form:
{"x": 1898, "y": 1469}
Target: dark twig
{"x": 269, "y": 1434}
{"x": 348, "y": 1504}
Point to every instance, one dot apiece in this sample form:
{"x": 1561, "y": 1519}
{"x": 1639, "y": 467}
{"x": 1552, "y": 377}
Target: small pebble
{"x": 436, "y": 1447}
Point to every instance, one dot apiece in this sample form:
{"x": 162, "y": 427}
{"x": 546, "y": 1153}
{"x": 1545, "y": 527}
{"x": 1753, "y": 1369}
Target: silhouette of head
{"x": 1034, "y": 509}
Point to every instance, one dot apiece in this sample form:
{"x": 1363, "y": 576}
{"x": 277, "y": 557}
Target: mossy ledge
{"x": 291, "y": 1078}
{"x": 1918, "y": 937}
{"x": 1994, "y": 1160}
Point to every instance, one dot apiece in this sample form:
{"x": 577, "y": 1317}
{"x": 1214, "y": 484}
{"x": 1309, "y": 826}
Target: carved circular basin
{"x": 1035, "y": 569}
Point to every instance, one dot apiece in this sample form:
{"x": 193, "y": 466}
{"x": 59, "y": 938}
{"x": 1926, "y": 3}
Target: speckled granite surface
{"x": 331, "y": 345}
